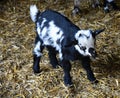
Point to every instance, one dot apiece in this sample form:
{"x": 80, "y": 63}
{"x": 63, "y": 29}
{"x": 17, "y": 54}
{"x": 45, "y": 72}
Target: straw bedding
{"x": 17, "y": 34}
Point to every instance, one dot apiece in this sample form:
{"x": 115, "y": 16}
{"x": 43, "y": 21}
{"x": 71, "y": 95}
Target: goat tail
{"x": 34, "y": 13}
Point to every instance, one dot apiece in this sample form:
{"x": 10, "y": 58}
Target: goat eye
{"x": 83, "y": 48}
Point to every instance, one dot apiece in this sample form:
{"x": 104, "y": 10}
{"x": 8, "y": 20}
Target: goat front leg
{"x": 86, "y": 66}
{"x": 67, "y": 68}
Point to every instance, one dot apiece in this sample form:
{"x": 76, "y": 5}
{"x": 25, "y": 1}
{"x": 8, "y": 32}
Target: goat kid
{"x": 107, "y": 3}
{"x": 95, "y": 3}
{"x": 59, "y": 35}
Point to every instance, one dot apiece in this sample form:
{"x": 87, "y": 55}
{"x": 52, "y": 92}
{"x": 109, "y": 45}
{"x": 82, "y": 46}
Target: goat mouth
{"x": 92, "y": 57}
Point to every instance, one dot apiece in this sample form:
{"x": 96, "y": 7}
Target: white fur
{"x": 52, "y": 31}
{"x": 106, "y": 8}
{"x": 38, "y": 29}
{"x": 110, "y": 0}
{"x": 33, "y": 12}
{"x": 37, "y": 49}
{"x": 42, "y": 24}
{"x": 83, "y": 41}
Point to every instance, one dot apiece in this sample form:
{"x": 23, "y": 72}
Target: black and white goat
{"x": 109, "y": 2}
{"x": 95, "y": 3}
{"x": 59, "y": 35}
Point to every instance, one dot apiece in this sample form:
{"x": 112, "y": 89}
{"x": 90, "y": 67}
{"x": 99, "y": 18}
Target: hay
{"x": 17, "y": 34}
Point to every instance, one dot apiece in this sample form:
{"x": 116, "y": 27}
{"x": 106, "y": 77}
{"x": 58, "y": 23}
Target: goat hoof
{"x": 75, "y": 11}
{"x": 69, "y": 85}
{"x": 106, "y": 10}
{"x": 56, "y": 66}
{"x": 94, "y": 82}
{"x": 37, "y": 71}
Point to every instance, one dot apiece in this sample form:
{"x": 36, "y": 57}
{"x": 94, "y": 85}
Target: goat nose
{"x": 93, "y": 52}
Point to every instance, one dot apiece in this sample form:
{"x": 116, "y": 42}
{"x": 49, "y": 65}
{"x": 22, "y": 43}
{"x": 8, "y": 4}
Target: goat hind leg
{"x": 76, "y": 9}
{"x": 95, "y": 3}
{"x": 67, "y": 68}
{"x": 37, "y": 53}
{"x": 52, "y": 56}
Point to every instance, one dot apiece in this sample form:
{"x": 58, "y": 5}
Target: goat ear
{"x": 96, "y": 32}
{"x": 68, "y": 42}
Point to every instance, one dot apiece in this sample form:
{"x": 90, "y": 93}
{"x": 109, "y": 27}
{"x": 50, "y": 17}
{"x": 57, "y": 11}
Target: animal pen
{"x": 17, "y": 33}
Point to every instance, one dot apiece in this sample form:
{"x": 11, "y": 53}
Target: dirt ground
{"x": 17, "y": 33}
